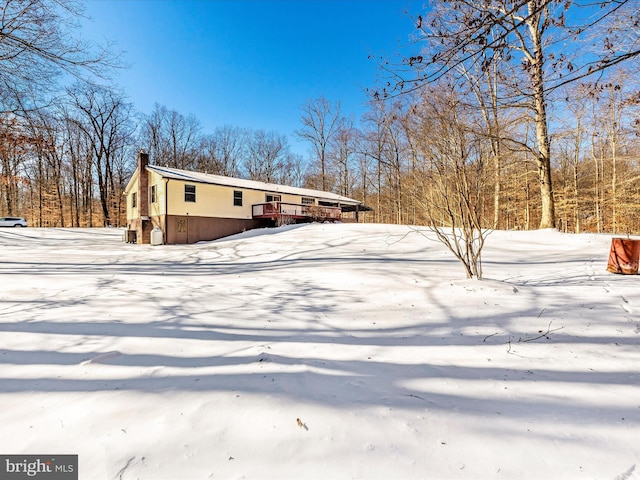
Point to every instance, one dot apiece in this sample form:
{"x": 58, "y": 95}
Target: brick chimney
{"x": 145, "y": 225}
{"x": 143, "y": 184}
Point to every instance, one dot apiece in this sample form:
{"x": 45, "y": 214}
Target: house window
{"x": 237, "y": 198}
{"x": 189, "y": 193}
{"x": 308, "y": 201}
{"x": 153, "y": 194}
{"x": 273, "y": 198}
{"x": 134, "y": 200}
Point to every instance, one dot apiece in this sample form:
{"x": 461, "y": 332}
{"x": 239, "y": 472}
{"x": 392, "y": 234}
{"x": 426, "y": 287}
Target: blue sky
{"x": 250, "y": 63}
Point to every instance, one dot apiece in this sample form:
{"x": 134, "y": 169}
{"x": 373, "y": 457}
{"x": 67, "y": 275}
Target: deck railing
{"x": 297, "y": 211}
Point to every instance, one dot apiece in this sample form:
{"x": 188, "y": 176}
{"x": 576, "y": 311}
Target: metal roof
{"x": 198, "y": 177}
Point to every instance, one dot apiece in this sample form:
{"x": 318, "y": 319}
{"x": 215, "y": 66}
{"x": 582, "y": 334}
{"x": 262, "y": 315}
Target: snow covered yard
{"x": 319, "y": 351}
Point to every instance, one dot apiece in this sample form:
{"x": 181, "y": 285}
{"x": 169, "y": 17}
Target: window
{"x": 273, "y": 198}
{"x": 134, "y": 200}
{"x": 308, "y": 201}
{"x": 189, "y": 193}
{"x": 153, "y": 194}
{"x": 237, "y": 198}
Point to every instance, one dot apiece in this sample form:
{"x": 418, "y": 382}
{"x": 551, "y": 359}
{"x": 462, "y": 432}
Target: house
{"x": 189, "y": 207}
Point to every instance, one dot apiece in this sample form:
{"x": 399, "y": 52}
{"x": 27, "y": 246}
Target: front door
{"x": 181, "y": 229}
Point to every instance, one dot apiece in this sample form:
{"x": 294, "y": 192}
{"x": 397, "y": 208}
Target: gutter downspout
{"x": 166, "y": 210}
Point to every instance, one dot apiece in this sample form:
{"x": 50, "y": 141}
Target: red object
{"x": 624, "y": 256}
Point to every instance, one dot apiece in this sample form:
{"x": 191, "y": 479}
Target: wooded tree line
{"x": 508, "y": 114}
{"x": 492, "y": 121}
{"x": 413, "y": 155}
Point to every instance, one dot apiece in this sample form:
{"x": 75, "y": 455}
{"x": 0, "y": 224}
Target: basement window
{"x": 237, "y": 198}
{"x": 189, "y": 193}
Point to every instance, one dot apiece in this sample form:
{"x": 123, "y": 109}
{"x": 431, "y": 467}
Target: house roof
{"x": 198, "y": 177}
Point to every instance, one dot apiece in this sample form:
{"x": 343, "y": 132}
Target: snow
{"x": 197, "y": 361}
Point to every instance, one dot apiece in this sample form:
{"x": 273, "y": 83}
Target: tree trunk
{"x": 543, "y": 159}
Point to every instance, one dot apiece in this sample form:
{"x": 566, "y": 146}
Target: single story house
{"x": 189, "y": 207}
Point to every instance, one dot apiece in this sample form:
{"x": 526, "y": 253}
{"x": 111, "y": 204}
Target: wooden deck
{"x": 281, "y": 212}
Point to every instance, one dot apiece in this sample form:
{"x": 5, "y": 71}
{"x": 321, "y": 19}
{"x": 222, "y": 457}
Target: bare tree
{"x": 292, "y": 171}
{"x": 266, "y": 154}
{"x": 104, "y": 118}
{"x": 613, "y": 131}
{"x": 222, "y": 151}
{"x": 15, "y": 144}
{"x": 486, "y": 81}
{"x": 171, "y": 139}
{"x": 374, "y": 147}
{"x": 37, "y": 45}
{"x": 46, "y": 127}
{"x": 388, "y": 146}
{"x": 343, "y": 149}
{"x": 364, "y": 169}
{"x": 571, "y": 143}
{"x": 320, "y": 123}
{"x": 453, "y": 175}
{"x": 79, "y": 172}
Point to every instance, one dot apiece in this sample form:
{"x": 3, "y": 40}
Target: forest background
{"x": 521, "y": 114}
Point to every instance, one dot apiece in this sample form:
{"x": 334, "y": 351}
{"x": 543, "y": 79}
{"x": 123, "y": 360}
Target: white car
{"x": 12, "y": 222}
